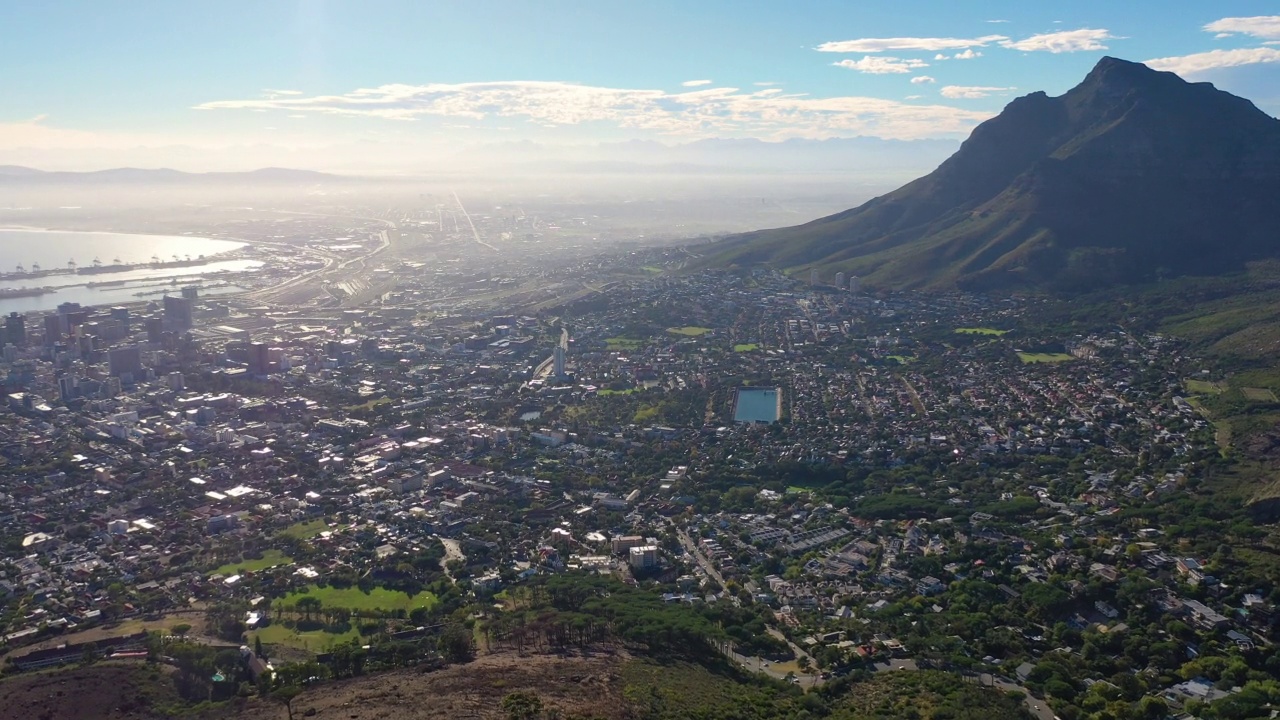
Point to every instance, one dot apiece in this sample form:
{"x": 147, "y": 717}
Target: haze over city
{"x": 652, "y": 361}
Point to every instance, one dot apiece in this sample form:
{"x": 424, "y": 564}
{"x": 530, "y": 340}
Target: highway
{"x": 474, "y": 233}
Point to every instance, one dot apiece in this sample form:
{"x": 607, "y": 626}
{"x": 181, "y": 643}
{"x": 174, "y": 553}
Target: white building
{"x": 644, "y": 556}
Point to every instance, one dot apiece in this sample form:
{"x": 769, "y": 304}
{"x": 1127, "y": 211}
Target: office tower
{"x": 125, "y": 361}
{"x": 177, "y": 313}
{"x": 15, "y": 329}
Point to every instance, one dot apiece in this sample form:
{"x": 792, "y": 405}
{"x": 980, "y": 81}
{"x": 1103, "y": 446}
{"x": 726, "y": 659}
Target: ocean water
{"x": 53, "y": 249}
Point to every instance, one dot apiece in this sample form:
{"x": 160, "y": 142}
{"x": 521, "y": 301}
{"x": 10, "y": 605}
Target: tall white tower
{"x": 558, "y": 362}
{"x": 813, "y": 276}
{"x": 855, "y": 284}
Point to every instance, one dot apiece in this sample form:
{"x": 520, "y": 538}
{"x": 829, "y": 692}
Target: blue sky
{"x": 101, "y": 80}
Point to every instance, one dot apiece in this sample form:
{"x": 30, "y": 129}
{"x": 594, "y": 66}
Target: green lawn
{"x": 745, "y": 347}
{"x": 1203, "y": 387}
{"x": 900, "y": 359}
{"x": 312, "y": 640}
{"x": 628, "y": 391}
{"x": 621, "y": 343}
{"x": 353, "y": 598}
{"x": 1030, "y": 358}
{"x": 981, "y": 331}
{"x": 1257, "y": 394}
{"x": 270, "y": 558}
{"x": 305, "y": 530}
{"x": 689, "y": 331}
{"x": 652, "y": 269}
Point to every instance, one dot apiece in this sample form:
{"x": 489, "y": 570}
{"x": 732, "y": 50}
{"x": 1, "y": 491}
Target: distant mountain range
{"x": 854, "y": 156}
{"x": 1132, "y": 175}
{"x": 26, "y": 175}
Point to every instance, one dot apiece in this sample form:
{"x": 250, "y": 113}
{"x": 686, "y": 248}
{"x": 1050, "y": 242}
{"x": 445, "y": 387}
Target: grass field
{"x": 1203, "y": 387}
{"x": 353, "y": 598}
{"x": 270, "y": 558}
{"x": 689, "y": 331}
{"x": 981, "y": 331}
{"x": 312, "y": 640}
{"x": 1258, "y": 394}
{"x": 652, "y": 269}
{"x": 1031, "y": 358}
{"x": 621, "y": 343}
{"x": 305, "y": 530}
{"x": 628, "y": 391}
{"x": 745, "y": 347}
{"x": 369, "y": 406}
{"x": 900, "y": 359}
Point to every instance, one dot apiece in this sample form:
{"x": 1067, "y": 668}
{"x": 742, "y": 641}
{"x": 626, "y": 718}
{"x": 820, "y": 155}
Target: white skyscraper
{"x": 855, "y": 284}
{"x": 840, "y": 281}
{"x": 813, "y": 276}
{"x": 558, "y": 363}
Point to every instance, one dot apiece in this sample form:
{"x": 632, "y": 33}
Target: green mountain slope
{"x": 1132, "y": 175}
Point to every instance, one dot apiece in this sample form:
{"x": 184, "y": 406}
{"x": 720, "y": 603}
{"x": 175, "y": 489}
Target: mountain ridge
{"x": 1132, "y": 175}
{"x": 131, "y": 174}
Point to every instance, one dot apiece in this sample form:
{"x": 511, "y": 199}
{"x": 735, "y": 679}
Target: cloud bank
{"x": 875, "y": 45}
{"x": 1263, "y": 27}
{"x": 769, "y": 113}
{"x": 882, "y": 65}
{"x": 1063, "y": 42}
{"x": 1214, "y": 59}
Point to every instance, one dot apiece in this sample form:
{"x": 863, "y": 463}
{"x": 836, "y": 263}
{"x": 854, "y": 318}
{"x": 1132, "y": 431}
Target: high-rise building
{"x": 259, "y": 358}
{"x": 191, "y": 292}
{"x": 68, "y": 388}
{"x": 813, "y": 276}
{"x": 15, "y": 329}
{"x": 155, "y": 330}
{"x": 125, "y": 361}
{"x": 855, "y": 284}
{"x": 558, "y": 361}
{"x": 55, "y": 326}
{"x": 121, "y": 314}
{"x": 839, "y": 281}
{"x": 177, "y": 313}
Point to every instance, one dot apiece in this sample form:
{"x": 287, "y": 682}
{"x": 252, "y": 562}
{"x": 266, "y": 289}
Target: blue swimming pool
{"x": 757, "y": 405}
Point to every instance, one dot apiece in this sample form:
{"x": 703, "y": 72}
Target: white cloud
{"x": 882, "y": 65}
{"x": 768, "y": 113}
{"x": 874, "y": 45}
{"x": 695, "y": 83}
{"x": 940, "y": 56}
{"x": 1064, "y": 41}
{"x": 766, "y": 83}
{"x": 967, "y": 55}
{"x": 919, "y": 79}
{"x": 269, "y": 91}
{"x": 970, "y": 92}
{"x": 1214, "y": 59}
{"x": 1264, "y": 27}
{"x": 997, "y": 21}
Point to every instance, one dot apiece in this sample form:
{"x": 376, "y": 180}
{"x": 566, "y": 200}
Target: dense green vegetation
{"x": 269, "y": 559}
